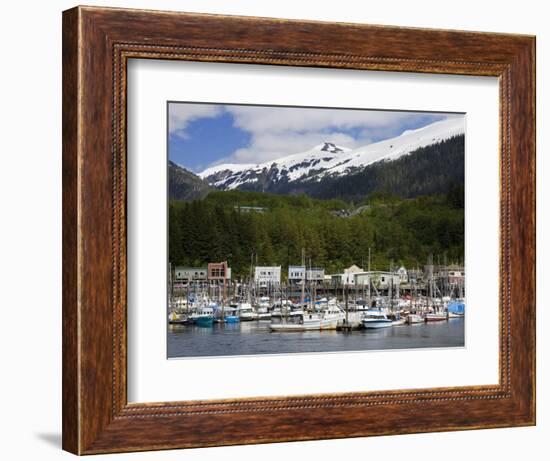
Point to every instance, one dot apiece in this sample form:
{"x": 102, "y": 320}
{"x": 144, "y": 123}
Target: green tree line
{"x": 334, "y": 233}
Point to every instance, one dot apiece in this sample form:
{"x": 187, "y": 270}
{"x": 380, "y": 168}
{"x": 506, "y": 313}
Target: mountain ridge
{"x": 327, "y": 159}
{"x": 184, "y": 184}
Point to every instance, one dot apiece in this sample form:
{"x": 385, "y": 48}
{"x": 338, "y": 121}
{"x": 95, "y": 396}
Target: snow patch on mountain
{"x": 286, "y": 169}
{"x": 328, "y": 159}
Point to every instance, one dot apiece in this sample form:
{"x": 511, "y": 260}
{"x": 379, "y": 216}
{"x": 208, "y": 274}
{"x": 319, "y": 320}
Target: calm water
{"x": 248, "y": 338}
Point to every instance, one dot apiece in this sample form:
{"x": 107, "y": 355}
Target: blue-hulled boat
{"x": 204, "y": 316}
{"x": 226, "y": 315}
{"x": 204, "y": 321}
{"x": 231, "y": 314}
{"x": 456, "y": 309}
{"x": 231, "y": 319}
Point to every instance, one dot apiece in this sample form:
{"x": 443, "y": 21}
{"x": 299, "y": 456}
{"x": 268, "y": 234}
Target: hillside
{"x": 428, "y": 170}
{"x": 333, "y": 233}
{"x": 185, "y": 185}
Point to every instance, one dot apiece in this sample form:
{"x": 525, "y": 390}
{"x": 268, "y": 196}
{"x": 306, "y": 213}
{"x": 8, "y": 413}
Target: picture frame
{"x": 97, "y": 44}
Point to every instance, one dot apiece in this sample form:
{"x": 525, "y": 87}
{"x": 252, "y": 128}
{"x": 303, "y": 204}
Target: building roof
{"x": 186, "y": 268}
{"x": 353, "y": 268}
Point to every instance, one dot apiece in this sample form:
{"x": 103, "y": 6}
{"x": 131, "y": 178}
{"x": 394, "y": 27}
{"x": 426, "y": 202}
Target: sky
{"x": 202, "y": 135}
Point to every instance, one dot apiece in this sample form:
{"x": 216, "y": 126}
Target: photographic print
{"x": 313, "y": 229}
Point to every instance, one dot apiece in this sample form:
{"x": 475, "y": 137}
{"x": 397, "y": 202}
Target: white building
{"x": 348, "y": 277}
{"x": 378, "y": 279}
{"x": 296, "y": 273}
{"x": 190, "y": 274}
{"x": 315, "y": 274}
{"x": 267, "y": 275}
{"x": 403, "y": 274}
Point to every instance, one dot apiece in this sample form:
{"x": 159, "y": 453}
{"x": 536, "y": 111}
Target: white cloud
{"x": 287, "y": 130}
{"x": 181, "y": 114}
{"x": 269, "y": 145}
{"x": 283, "y": 119}
{"x": 279, "y": 131}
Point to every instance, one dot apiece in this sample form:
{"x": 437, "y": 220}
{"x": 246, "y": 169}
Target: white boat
{"x": 177, "y": 318}
{"x": 396, "y": 319}
{"x": 327, "y": 319}
{"x": 376, "y": 319}
{"x": 436, "y": 317}
{"x": 415, "y": 318}
{"x": 262, "y": 309}
{"x": 454, "y": 315}
{"x": 247, "y": 312}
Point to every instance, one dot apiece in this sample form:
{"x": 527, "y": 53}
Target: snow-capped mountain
{"x": 284, "y": 169}
{"x": 328, "y": 159}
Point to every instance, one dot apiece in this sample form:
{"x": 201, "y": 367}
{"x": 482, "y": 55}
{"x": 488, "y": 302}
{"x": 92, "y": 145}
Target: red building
{"x": 219, "y": 272}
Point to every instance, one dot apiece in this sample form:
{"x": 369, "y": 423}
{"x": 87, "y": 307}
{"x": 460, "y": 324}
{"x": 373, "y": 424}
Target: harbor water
{"x": 252, "y": 338}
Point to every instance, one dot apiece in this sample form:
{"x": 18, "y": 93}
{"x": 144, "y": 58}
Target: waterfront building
{"x": 296, "y": 274}
{"x": 454, "y": 274}
{"x": 190, "y": 274}
{"x": 266, "y": 276}
{"x": 315, "y": 274}
{"x": 219, "y": 272}
{"x": 415, "y": 276}
{"x": 451, "y": 279}
{"x": 347, "y": 277}
{"x": 381, "y": 280}
{"x": 353, "y": 269}
{"x": 403, "y": 274}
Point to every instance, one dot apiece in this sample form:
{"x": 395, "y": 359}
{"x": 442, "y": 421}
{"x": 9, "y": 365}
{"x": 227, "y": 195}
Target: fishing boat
{"x": 226, "y": 314}
{"x": 453, "y": 315}
{"x": 262, "y": 308}
{"x": 231, "y": 319}
{"x": 177, "y": 318}
{"x": 436, "y": 317}
{"x": 415, "y": 318}
{"x": 376, "y": 319}
{"x": 247, "y": 312}
{"x": 456, "y": 309}
{"x": 326, "y": 319}
{"x": 204, "y": 316}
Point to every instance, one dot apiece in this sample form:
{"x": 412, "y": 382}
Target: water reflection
{"x": 248, "y": 338}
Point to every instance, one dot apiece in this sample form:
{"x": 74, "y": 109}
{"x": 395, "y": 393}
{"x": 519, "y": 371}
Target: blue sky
{"x": 201, "y": 135}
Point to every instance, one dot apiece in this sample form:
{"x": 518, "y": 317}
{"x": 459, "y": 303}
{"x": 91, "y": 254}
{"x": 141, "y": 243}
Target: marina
{"x": 360, "y": 312}
{"x": 248, "y": 318}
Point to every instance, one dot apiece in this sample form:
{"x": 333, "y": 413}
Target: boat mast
{"x": 312, "y": 290}
{"x": 302, "y": 295}
{"x": 170, "y": 288}
{"x": 251, "y": 276}
{"x": 187, "y": 295}
{"x": 346, "y": 305}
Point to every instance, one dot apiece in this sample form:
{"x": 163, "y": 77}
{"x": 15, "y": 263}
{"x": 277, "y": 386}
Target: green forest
{"x": 334, "y": 233}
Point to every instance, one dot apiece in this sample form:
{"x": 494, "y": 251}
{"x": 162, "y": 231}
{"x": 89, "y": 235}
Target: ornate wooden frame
{"x": 97, "y": 43}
